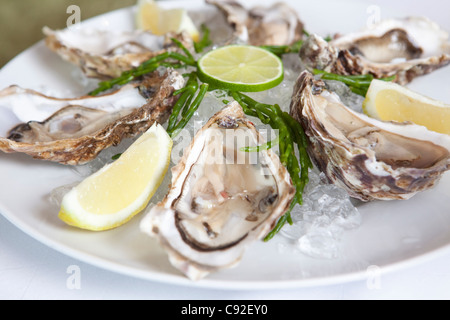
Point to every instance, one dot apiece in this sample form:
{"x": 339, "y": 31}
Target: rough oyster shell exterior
{"x": 412, "y": 46}
{"x": 131, "y": 49}
{"x": 358, "y": 167}
{"x": 278, "y": 24}
{"x": 194, "y": 259}
{"x": 155, "y": 91}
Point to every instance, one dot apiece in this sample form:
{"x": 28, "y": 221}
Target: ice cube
{"x": 321, "y": 222}
{"x": 57, "y": 194}
{"x": 319, "y": 243}
{"x": 352, "y": 100}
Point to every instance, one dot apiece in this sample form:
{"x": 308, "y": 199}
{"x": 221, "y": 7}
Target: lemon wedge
{"x": 241, "y": 68}
{"x": 150, "y": 16}
{"x": 389, "y": 101}
{"x": 120, "y": 190}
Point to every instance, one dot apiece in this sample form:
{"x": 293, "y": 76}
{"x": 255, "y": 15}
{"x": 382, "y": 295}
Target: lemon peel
{"x": 152, "y": 17}
{"x": 389, "y": 101}
{"x": 120, "y": 190}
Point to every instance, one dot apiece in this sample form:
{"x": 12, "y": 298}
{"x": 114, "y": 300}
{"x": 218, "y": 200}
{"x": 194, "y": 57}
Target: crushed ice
{"x": 321, "y": 222}
{"x": 348, "y": 98}
{"x": 327, "y": 213}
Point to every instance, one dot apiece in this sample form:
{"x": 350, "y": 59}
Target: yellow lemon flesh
{"x": 389, "y": 101}
{"x": 122, "y": 189}
{"x": 159, "y": 21}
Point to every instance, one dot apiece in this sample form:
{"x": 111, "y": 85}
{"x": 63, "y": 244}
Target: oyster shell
{"x": 278, "y": 24}
{"x": 106, "y": 54}
{"x": 405, "y": 48}
{"x": 75, "y": 131}
{"x": 371, "y": 159}
{"x": 221, "y": 199}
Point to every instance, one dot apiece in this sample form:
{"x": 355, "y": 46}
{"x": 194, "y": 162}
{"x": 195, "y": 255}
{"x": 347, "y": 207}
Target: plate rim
{"x": 207, "y": 283}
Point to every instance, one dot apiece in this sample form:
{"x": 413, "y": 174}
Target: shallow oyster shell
{"x": 106, "y": 54}
{"x": 405, "y": 48}
{"x": 371, "y": 159}
{"x": 75, "y": 131}
{"x": 277, "y": 24}
{"x": 217, "y": 207}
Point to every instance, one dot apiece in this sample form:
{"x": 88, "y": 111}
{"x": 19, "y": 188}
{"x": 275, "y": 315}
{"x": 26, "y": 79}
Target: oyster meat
{"x": 221, "y": 199}
{"x": 405, "y": 48}
{"x": 278, "y": 24}
{"x": 75, "y": 131}
{"x": 371, "y": 159}
{"x": 106, "y": 54}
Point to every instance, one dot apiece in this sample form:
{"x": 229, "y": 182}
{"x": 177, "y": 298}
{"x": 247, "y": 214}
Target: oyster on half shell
{"x": 75, "y": 131}
{"x": 278, "y": 24}
{"x": 405, "y": 48}
{"x": 221, "y": 199}
{"x": 371, "y": 159}
{"x": 106, "y": 54}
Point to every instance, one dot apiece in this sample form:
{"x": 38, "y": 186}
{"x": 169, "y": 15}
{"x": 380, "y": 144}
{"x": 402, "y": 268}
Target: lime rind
{"x": 262, "y": 70}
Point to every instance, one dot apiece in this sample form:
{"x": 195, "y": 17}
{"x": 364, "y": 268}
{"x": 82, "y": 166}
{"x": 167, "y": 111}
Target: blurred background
{"x": 21, "y": 21}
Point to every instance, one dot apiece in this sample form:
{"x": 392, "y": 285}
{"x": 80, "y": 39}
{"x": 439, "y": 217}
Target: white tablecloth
{"x": 30, "y": 270}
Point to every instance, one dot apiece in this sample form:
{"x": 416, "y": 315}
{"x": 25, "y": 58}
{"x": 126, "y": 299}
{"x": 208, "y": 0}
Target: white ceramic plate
{"x": 393, "y": 234}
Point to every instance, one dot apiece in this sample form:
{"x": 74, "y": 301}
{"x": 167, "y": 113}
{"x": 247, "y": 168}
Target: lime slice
{"x": 389, "y": 101}
{"x": 120, "y": 190}
{"x": 241, "y": 68}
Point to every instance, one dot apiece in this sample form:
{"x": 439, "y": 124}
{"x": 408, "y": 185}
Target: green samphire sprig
{"x": 291, "y": 139}
{"x": 358, "y": 84}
